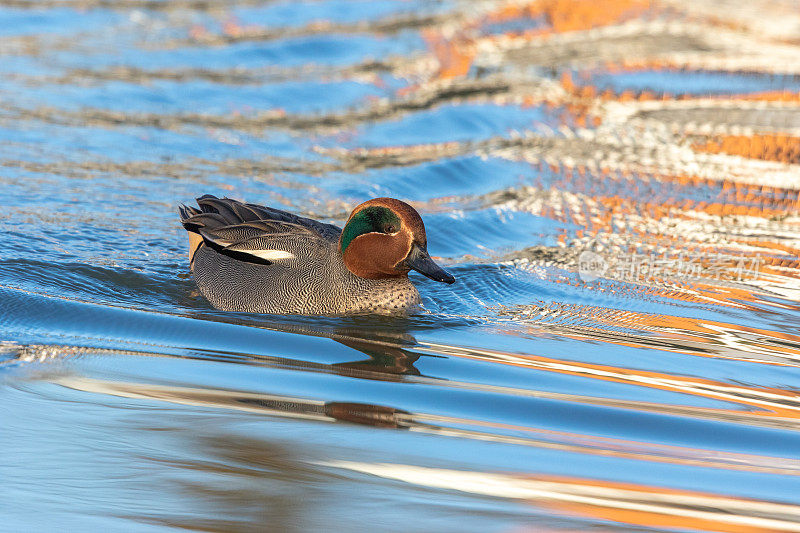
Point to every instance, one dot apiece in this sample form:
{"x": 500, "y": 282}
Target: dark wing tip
{"x": 186, "y": 213}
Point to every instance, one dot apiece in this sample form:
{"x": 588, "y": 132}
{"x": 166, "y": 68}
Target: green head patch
{"x": 372, "y": 219}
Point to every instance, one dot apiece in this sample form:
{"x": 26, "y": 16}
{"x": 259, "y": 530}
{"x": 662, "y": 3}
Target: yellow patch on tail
{"x": 195, "y": 240}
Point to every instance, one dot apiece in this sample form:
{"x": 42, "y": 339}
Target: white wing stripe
{"x": 270, "y": 255}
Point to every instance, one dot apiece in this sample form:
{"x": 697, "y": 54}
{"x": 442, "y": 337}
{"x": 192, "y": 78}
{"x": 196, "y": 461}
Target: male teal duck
{"x": 256, "y": 259}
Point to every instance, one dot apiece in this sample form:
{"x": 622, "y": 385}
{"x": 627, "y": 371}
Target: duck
{"x": 251, "y": 258}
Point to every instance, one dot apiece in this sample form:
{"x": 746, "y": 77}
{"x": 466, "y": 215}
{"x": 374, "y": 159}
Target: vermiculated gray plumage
{"x": 308, "y": 275}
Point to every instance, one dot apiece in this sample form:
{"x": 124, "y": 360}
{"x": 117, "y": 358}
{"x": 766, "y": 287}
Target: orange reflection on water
{"x": 762, "y": 405}
{"x": 772, "y": 147}
{"x": 456, "y": 53}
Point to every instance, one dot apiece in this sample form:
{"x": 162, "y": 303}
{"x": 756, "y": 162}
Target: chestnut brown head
{"x": 385, "y": 238}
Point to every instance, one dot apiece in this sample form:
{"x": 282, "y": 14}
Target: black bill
{"x": 419, "y": 260}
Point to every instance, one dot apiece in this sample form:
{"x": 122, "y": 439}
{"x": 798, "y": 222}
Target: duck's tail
{"x": 192, "y": 220}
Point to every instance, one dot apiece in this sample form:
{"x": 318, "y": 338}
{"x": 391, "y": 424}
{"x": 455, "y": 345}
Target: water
{"x": 615, "y": 188}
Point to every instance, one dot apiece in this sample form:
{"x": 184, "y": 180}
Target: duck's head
{"x": 385, "y": 238}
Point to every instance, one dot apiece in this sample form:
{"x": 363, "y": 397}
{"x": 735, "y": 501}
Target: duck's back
{"x": 254, "y": 259}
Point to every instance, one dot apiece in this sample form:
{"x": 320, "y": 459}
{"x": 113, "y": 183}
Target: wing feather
{"x": 256, "y": 234}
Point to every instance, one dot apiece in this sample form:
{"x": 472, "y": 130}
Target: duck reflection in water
{"x": 389, "y": 361}
{"x": 385, "y": 341}
{"x": 389, "y": 357}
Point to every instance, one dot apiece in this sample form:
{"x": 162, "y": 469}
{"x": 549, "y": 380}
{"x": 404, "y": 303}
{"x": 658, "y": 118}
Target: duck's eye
{"x": 389, "y": 228}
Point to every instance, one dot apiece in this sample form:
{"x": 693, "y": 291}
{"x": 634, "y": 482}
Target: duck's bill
{"x": 420, "y": 261}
